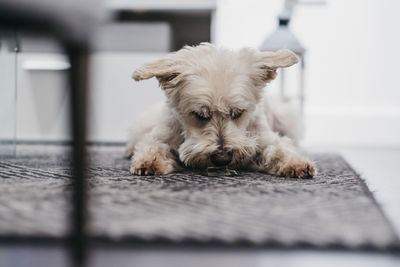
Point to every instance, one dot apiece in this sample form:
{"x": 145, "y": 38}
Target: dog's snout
{"x": 221, "y": 158}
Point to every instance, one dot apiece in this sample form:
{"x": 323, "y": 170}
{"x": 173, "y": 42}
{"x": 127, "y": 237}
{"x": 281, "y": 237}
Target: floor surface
{"x": 380, "y": 167}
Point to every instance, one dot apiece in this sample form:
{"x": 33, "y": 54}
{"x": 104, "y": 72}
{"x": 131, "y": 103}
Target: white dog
{"x": 216, "y": 115}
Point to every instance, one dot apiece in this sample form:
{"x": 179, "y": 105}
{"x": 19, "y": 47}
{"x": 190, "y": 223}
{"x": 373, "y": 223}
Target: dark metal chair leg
{"x": 78, "y": 56}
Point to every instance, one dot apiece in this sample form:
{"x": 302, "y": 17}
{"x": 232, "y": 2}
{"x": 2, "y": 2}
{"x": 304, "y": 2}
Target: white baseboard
{"x": 353, "y": 126}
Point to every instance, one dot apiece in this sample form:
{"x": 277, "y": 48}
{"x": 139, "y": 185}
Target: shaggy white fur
{"x": 216, "y": 115}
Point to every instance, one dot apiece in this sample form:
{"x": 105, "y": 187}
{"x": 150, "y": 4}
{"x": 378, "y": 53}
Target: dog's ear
{"x": 165, "y": 70}
{"x": 270, "y": 61}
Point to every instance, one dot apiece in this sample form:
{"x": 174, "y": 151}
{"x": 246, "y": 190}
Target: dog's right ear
{"x": 271, "y": 61}
{"x": 166, "y": 71}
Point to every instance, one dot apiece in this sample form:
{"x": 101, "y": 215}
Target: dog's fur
{"x": 215, "y": 103}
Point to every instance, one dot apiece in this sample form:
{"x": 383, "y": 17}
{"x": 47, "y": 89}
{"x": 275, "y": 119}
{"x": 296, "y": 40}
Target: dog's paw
{"x": 299, "y": 169}
{"x": 151, "y": 164}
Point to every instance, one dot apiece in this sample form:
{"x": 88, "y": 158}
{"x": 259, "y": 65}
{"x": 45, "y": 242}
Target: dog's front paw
{"x": 298, "y": 168}
{"x": 151, "y": 164}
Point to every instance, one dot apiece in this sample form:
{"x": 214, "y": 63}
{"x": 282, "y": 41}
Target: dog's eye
{"x": 236, "y": 113}
{"x": 170, "y": 77}
{"x": 201, "y": 116}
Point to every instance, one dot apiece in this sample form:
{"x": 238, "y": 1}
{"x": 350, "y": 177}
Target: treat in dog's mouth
{"x": 220, "y": 171}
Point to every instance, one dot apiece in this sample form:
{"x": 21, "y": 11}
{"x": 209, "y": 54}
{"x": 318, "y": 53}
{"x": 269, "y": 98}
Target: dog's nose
{"x": 221, "y": 158}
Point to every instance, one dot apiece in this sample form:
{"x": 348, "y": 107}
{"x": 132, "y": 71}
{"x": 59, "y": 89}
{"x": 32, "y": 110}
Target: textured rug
{"x": 334, "y": 209}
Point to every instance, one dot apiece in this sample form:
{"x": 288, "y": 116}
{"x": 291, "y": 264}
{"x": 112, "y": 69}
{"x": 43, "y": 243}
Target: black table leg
{"x": 78, "y": 75}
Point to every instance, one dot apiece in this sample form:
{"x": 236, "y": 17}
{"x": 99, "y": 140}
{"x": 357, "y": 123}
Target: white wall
{"x": 353, "y": 93}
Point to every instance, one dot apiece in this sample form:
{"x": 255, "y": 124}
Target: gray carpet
{"x": 334, "y": 209}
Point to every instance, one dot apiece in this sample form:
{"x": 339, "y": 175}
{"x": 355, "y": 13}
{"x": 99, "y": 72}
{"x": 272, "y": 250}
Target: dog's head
{"x": 214, "y": 93}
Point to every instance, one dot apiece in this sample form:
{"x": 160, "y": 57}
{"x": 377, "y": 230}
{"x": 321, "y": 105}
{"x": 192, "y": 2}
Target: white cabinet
{"x": 116, "y": 99}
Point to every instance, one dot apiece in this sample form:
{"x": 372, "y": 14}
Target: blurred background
{"x": 346, "y": 87}
{"x": 351, "y": 85}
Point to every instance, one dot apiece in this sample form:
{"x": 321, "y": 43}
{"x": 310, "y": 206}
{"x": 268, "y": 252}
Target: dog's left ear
{"x": 165, "y": 70}
{"x": 270, "y": 61}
